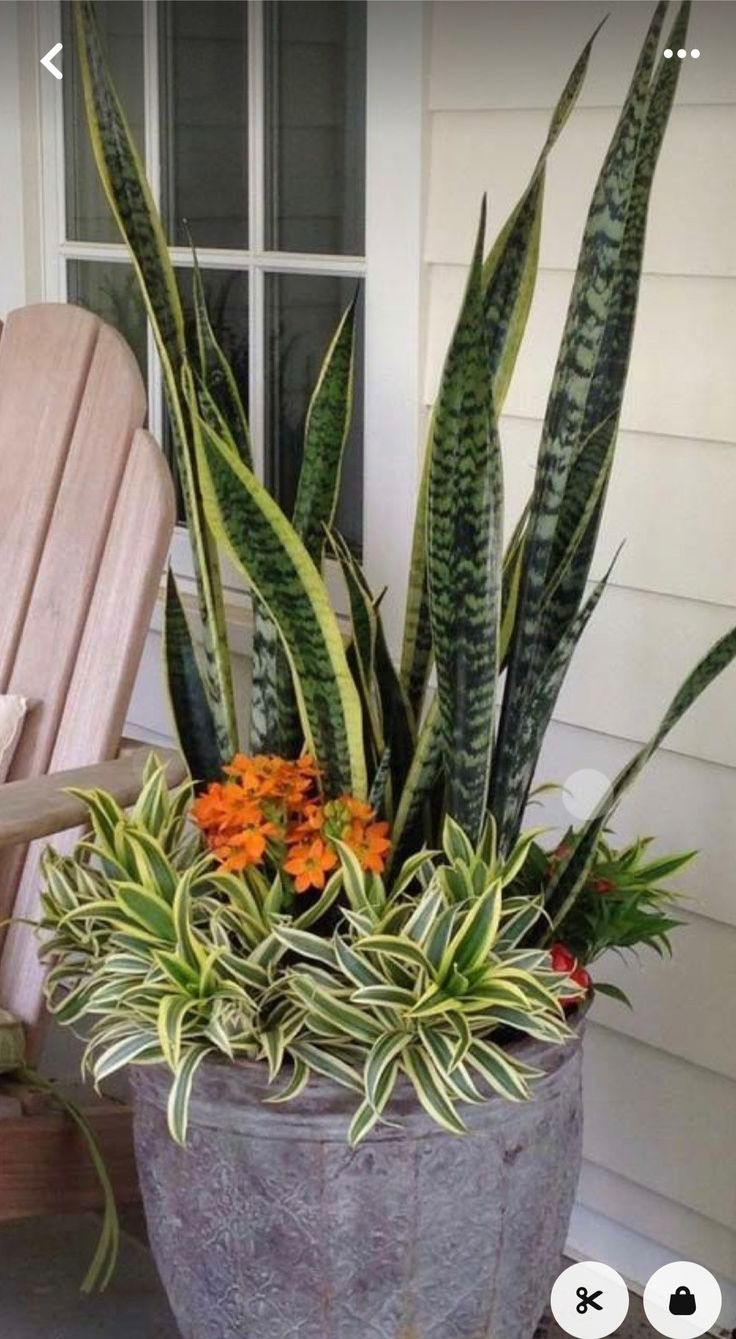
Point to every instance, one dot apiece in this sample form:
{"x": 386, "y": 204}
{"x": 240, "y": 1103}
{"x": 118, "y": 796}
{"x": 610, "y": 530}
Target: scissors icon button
{"x": 587, "y": 1299}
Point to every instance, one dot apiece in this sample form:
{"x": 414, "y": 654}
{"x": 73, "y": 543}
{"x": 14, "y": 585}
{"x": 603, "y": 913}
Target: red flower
{"x": 603, "y": 885}
{"x": 581, "y": 978}
{"x": 562, "y": 959}
{"x": 565, "y": 961}
{"x": 560, "y": 853}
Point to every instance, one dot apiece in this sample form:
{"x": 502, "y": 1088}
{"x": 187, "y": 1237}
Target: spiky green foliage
{"x": 623, "y": 902}
{"x": 500, "y": 628}
{"x": 169, "y": 959}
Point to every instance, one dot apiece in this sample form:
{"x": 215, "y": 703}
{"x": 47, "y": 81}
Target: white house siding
{"x": 661, "y": 1080}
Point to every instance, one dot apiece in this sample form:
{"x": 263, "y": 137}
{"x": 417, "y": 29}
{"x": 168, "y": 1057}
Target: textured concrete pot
{"x": 267, "y": 1225}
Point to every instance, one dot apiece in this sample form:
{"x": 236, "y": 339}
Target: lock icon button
{"x": 682, "y": 1302}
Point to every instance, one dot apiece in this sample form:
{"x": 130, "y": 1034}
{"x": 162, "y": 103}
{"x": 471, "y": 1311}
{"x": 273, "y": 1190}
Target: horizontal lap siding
{"x": 660, "y": 1081}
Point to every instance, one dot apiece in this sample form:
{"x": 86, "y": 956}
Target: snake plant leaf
{"x": 464, "y": 551}
{"x": 325, "y": 436}
{"x": 125, "y": 185}
{"x": 215, "y": 370}
{"x": 262, "y": 543}
{"x": 128, "y": 193}
{"x": 509, "y": 277}
{"x": 416, "y": 653}
{"x": 190, "y": 706}
{"x": 221, "y": 406}
{"x": 582, "y": 505}
{"x": 274, "y": 712}
{"x": 533, "y": 725}
{"x": 379, "y": 784}
{"x": 510, "y": 269}
{"x": 424, "y": 772}
{"x": 570, "y": 876}
{"x": 362, "y": 650}
{"x": 593, "y": 359}
{"x": 264, "y": 734}
{"x": 398, "y": 721}
{"x": 385, "y": 702}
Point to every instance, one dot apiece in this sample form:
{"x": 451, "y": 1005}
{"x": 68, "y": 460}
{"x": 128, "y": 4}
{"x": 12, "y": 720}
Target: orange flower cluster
{"x": 270, "y": 809}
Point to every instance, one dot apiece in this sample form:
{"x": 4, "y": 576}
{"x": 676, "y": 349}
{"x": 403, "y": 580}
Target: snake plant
{"x": 497, "y": 621}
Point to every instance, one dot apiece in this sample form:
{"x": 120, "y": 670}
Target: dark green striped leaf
{"x": 582, "y": 411}
{"x": 325, "y": 435}
{"x": 464, "y": 551}
{"x": 216, "y": 372}
{"x": 509, "y": 276}
{"x": 190, "y": 706}
{"x": 383, "y": 697}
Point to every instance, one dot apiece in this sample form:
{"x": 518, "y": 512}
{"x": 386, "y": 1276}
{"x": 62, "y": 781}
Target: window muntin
{"x": 226, "y": 168}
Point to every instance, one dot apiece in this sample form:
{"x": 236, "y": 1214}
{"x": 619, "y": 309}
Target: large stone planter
{"x": 267, "y": 1225}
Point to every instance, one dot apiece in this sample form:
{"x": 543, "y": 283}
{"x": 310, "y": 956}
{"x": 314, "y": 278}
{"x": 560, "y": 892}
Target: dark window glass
{"x": 315, "y": 126}
{"x": 111, "y": 290}
{"x": 204, "y": 121}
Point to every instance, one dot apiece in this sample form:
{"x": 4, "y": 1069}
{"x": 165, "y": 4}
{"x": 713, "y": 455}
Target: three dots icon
{"x": 681, "y": 53}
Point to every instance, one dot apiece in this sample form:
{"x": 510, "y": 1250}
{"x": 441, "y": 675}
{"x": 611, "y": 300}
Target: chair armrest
{"x": 40, "y": 806}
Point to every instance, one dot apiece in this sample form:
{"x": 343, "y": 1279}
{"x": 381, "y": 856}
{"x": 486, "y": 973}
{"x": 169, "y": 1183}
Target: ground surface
{"x": 42, "y": 1262}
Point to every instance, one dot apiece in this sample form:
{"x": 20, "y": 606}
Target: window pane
{"x": 111, "y": 290}
{"x": 303, "y": 312}
{"x": 226, "y": 294}
{"x": 204, "y": 121}
{"x": 121, "y": 27}
{"x": 315, "y": 126}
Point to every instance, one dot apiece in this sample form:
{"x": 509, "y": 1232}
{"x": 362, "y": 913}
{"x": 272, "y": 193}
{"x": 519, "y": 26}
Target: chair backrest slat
{"x": 101, "y": 684}
{"x": 86, "y": 515}
{"x": 112, "y": 407}
{"x": 44, "y": 364}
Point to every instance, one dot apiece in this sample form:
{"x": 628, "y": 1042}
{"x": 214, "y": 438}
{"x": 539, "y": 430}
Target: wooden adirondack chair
{"x": 86, "y": 516}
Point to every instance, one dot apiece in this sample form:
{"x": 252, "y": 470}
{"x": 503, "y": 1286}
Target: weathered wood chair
{"x": 86, "y": 516}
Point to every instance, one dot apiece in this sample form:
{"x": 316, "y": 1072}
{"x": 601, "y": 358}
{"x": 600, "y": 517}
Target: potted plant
{"x": 350, "y": 906}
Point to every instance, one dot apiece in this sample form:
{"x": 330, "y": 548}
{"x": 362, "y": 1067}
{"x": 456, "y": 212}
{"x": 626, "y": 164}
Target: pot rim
{"x": 234, "y": 1095}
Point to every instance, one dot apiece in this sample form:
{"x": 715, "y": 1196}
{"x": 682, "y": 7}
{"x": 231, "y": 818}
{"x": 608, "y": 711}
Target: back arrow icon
{"x": 48, "y": 61}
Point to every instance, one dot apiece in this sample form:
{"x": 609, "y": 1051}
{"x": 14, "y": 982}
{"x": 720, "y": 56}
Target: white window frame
{"x": 391, "y": 267}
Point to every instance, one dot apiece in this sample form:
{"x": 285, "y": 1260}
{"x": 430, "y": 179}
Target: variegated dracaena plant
{"x": 172, "y": 959}
{"x": 499, "y": 624}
